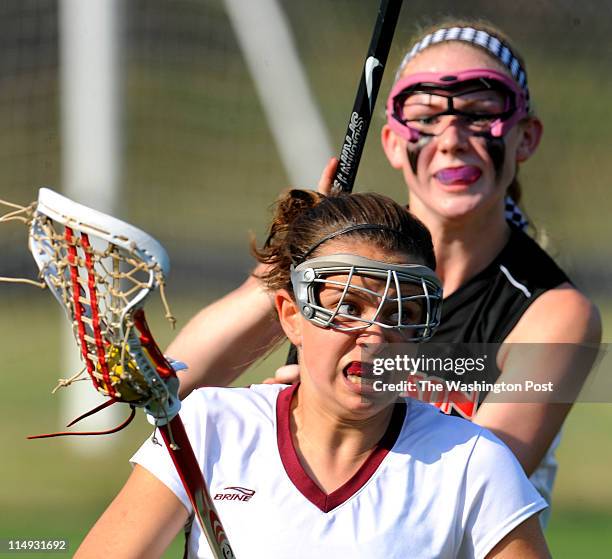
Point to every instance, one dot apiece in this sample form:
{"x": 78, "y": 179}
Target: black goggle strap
{"x": 458, "y": 88}
{"x": 509, "y": 109}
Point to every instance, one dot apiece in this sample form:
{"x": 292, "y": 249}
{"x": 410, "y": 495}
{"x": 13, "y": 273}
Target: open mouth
{"x": 358, "y": 373}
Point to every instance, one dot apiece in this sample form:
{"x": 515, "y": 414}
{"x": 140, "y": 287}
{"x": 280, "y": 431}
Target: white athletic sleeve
{"x": 155, "y": 458}
{"x": 498, "y": 497}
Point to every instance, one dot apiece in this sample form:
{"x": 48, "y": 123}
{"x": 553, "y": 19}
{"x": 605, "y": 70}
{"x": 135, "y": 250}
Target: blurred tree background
{"x": 200, "y": 170}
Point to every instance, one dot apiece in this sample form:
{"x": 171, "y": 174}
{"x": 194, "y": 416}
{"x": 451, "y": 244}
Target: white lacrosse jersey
{"x": 435, "y": 486}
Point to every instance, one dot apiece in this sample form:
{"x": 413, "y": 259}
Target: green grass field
{"x": 50, "y": 491}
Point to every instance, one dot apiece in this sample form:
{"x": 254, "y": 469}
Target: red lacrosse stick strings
{"x": 119, "y": 427}
{"x": 162, "y": 366}
{"x": 78, "y": 310}
{"x": 95, "y": 315}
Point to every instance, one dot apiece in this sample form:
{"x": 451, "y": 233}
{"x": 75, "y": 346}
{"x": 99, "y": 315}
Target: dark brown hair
{"x": 304, "y": 217}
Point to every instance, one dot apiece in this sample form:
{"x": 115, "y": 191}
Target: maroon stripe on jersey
{"x": 302, "y": 481}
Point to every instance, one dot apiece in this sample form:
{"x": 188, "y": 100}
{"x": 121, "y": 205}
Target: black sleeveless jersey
{"x": 487, "y": 307}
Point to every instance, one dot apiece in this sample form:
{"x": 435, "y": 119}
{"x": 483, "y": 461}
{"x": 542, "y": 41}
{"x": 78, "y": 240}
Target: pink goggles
{"x": 490, "y": 121}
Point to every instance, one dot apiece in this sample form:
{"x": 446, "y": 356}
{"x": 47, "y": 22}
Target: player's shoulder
{"x": 252, "y": 401}
{"x": 561, "y": 315}
{"x": 437, "y": 435}
{"x": 441, "y": 431}
{"x": 426, "y": 414}
{"x": 524, "y": 244}
{"x": 527, "y": 266}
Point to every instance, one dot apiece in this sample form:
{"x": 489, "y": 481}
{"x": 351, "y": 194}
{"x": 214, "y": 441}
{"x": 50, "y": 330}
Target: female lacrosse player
{"x": 460, "y": 123}
{"x": 332, "y": 467}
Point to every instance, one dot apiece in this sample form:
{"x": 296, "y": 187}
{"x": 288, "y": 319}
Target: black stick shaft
{"x": 365, "y": 100}
{"x": 363, "y": 108}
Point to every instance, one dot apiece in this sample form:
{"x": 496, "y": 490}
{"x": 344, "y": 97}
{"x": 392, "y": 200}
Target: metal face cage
{"x": 409, "y": 301}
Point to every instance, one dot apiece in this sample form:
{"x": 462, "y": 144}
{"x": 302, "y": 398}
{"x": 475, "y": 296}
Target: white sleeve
{"x": 154, "y": 456}
{"x": 498, "y": 496}
{"x": 156, "y": 460}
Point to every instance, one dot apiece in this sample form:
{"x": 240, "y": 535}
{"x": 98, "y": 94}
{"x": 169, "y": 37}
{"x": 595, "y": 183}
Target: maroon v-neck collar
{"x": 302, "y": 481}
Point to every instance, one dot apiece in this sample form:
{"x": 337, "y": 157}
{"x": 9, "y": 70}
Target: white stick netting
{"x": 102, "y": 287}
{"x": 98, "y": 283}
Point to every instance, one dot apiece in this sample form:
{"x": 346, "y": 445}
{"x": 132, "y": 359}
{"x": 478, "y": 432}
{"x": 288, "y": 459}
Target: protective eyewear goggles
{"x": 485, "y": 102}
{"x": 404, "y": 297}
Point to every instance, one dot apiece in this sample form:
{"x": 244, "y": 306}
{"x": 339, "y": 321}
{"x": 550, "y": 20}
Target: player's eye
{"x": 423, "y": 107}
{"x": 420, "y": 112}
{"x": 427, "y": 120}
{"x": 349, "y": 309}
{"x": 479, "y": 119}
{"x": 411, "y": 314}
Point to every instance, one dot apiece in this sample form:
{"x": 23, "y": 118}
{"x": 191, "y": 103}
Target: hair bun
{"x": 295, "y": 202}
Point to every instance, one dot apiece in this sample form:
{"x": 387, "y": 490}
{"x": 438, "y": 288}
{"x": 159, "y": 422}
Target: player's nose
{"x": 374, "y": 334}
{"x": 453, "y": 137}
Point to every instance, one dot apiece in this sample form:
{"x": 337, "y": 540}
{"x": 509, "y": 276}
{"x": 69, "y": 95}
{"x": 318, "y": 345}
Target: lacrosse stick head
{"x": 101, "y": 270}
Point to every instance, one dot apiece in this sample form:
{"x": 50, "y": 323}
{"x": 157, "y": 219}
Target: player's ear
{"x": 289, "y": 316}
{"x": 531, "y": 134}
{"x": 394, "y": 147}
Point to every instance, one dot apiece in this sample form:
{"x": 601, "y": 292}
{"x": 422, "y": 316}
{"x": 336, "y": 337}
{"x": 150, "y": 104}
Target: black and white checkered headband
{"x": 514, "y": 215}
{"x": 495, "y": 46}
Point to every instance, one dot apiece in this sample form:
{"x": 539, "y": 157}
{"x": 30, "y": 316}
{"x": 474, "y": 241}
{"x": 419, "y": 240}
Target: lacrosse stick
{"x": 367, "y": 91}
{"x": 101, "y": 270}
{"x": 363, "y": 107}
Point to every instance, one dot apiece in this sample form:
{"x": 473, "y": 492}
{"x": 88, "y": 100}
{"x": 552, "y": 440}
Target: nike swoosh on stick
{"x": 370, "y": 65}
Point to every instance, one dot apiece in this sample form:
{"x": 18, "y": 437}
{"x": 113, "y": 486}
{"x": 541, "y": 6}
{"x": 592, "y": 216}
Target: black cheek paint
{"x": 496, "y": 148}
{"x": 413, "y": 150}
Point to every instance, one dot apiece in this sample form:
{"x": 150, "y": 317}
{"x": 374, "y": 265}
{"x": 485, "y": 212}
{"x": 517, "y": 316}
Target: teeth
{"x": 358, "y": 380}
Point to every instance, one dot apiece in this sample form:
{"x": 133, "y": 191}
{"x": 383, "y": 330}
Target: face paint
{"x": 496, "y": 147}
{"x": 413, "y": 150}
